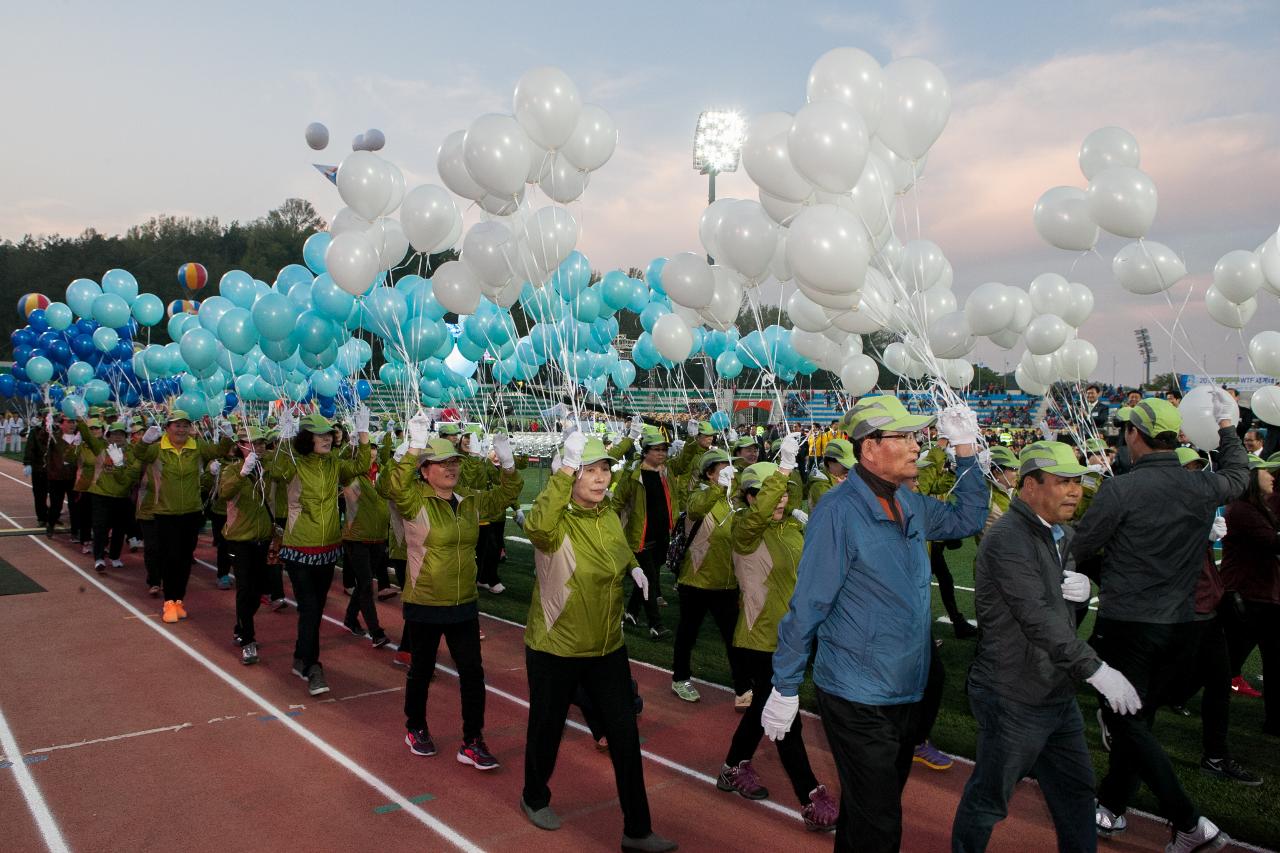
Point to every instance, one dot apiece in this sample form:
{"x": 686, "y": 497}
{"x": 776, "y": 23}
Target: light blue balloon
{"x": 320, "y": 360}
{"x": 616, "y": 289}
{"x": 639, "y": 296}
{"x": 79, "y": 373}
{"x": 387, "y": 309}
{"x": 587, "y": 306}
{"x": 81, "y": 294}
{"x": 96, "y": 392}
{"x": 105, "y": 339}
{"x": 572, "y": 276}
{"x": 111, "y": 310}
{"x": 211, "y": 311}
{"x": 331, "y": 300}
{"x": 728, "y": 365}
{"x": 623, "y": 374}
{"x": 325, "y": 382}
{"x": 278, "y": 350}
{"x": 289, "y": 276}
{"x": 74, "y": 406}
{"x": 39, "y": 369}
{"x": 192, "y": 404}
{"x": 199, "y": 348}
{"x": 120, "y": 283}
{"x": 313, "y": 251}
{"x": 274, "y": 317}
{"x": 59, "y": 316}
{"x": 719, "y": 420}
{"x": 542, "y": 304}
{"x": 237, "y": 286}
{"x": 314, "y": 332}
{"x": 237, "y": 332}
{"x": 653, "y": 274}
{"x": 422, "y": 337}
{"x": 174, "y": 362}
{"x": 148, "y": 310}
{"x": 649, "y": 316}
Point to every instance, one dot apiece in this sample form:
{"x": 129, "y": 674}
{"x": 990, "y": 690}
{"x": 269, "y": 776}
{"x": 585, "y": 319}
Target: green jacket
{"x": 368, "y": 517}
{"x": 629, "y": 500}
{"x": 708, "y": 563}
{"x": 104, "y": 479}
{"x": 245, "y": 499}
{"x": 440, "y": 541}
{"x": 396, "y": 549}
{"x": 311, "y": 493}
{"x": 766, "y": 554}
{"x": 581, "y": 557}
{"x": 174, "y": 475}
{"x": 935, "y": 480}
{"x": 1000, "y": 500}
{"x": 819, "y": 485}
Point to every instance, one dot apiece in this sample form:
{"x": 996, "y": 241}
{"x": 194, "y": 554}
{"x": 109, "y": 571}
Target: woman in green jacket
{"x": 364, "y": 553}
{"x": 312, "y": 474}
{"x": 766, "y": 553}
{"x": 644, "y": 499}
{"x": 441, "y": 524}
{"x": 574, "y": 634}
{"x": 172, "y": 462}
{"x": 247, "y": 532}
{"x": 396, "y": 550}
{"x": 108, "y": 488}
{"x": 837, "y": 462}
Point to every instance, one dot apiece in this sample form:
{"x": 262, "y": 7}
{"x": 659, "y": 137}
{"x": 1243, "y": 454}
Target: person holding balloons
{"x": 61, "y": 464}
{"x": 248, "y": 530}
{"x": 108, "y": 491}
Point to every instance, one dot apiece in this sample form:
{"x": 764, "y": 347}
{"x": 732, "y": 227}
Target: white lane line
{"x": 110, "y": 739}
{"x": 331, "y": 752}
{"x": 31, "y": 792}
{"x": 16, "y": 480}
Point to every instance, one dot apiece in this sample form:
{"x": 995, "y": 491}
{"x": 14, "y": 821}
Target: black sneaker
{"x": 1228, "y": 770}
{"x": 629, "y": 618}
{"x": 475, "y": 753}
{"x": 659, "y": 633}
{"x": 380, "y": 639}
{"x": 355, "y": 628}
{"x": 419, "y": 742}
{"x": 300, "y": 668}
{"x": 249, "y": 653}
{"x": 315, "y": 680}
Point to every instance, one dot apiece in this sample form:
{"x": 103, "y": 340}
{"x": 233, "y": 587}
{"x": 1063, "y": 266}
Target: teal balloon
{"x": 59, "y": 316}
{"x": 616, "y": 289}
{"x": 653, "y": 274}
{"x": 79, "y": 373}
{"x": 649, "y": 316}
{"x": 325, "y": 382}
{"x": 199, "y": 348}
{"x": 237, "y": 286}
{"x": 543, "y": 304}
{"x": 278, "y": 350}
{"x": 331, "y": 300}
{"x": 300, "y": 295}
{"x": 211, "y": 311}
{"x": 391, "y": 373}
{"x": 274, "y": 317}
{"x": 120, "y": 283}
{"x": 291, "y": 275}
{"x": 623, "y": 374}
{"x": 470, "y": 350}
{"x": 191, "y": 403}
{"x": 639, "y": 296}
{"x": 74, "y": 406}
{"x": 314, "y": 332}
{"x": 387, "y": 309}
{"x": 728, "y": 365}
{"x": 39, "y": 369}
{"x": 572, "y": 276}
{"x": 244, "y": 386}
{"x": 147, "y": 309}
{"x": 96, "y": 392}
{"x": 237, "y": 332}
{"x": 422, "y": 337}
{"x": 319, "y": 360}
{"x": 105, "y": 339}
{"x": 313, "y": 251}
{"x": 587, "y": 306}
{"x": 424, "y": 302}
{"x": 81, "y": 294}
{"x": 111, "y": 310}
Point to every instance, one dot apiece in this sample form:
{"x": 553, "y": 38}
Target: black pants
{"x": 110, "y": 522}
{"x": 931, "y": 701}
{"x": 695, "y": 604}
{"x": 872, "y": 746}
{"x": 397, "y": 565}
{"x": 59, "y": 490}
{"x": 1261, "y": 621}
{"x": 651, "y": 560}
{"x": 946, "y": 583}
{"x": 151, "y": 554}
{"x": 795, "y": 759}
{"x": 218, "y": 520}
{"x": 40, "y": 493}
{"x": 249, "y": 561}
{"x": 607, "y": 681}
{"x": 176, "y": 535}
{"x": 360, "y": 558}
{"x": 1151, "y": 656}
{"x": 489, "y": 551}
{"x": 310, "y": 588}
{"x": 463, "y": 640}
{"x": 1209, "y": 669}
{"x": 80, "y": 508}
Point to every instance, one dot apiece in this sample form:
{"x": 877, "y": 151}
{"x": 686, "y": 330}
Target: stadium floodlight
{"x": 717, "y": 141}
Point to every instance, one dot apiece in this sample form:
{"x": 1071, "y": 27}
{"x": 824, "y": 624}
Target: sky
{"x": 113, "y": 113}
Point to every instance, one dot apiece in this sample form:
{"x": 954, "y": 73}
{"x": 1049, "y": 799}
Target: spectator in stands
{"x": 1253, "y": 442}
{"x": 1098, "y": 410}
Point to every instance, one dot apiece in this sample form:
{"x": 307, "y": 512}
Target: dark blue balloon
{"x": 47, "y": 340}
{"x": 231, "y": 402}
{"x": 363, "y": 389}
{"x": 37, "y": 320}
{"x": 82, "y": 345}
{"x": 61, "y": 353}
{"x": 129, "y": 397}
{"x": 21, "y": 354}
{"x": 56, "y": 393}
{"x": 23, "y": 337}
{"x": 8, "y": 384}
{"x": 84, "y": 327}
{"x": 122, "y": 350}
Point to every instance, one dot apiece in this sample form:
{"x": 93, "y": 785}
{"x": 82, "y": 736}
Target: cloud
{"x": 913, "y": 33}
{"x": 1196, "y": 13}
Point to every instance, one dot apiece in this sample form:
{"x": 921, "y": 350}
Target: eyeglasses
{"x": 905, "y": 436}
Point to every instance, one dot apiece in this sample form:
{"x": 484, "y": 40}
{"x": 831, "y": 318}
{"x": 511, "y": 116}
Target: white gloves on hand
{"x": 677, "y": 446}
{"x": 725, "y": 478}
{"x": 1219, "y": 528}
{"x": 1116, "y": 689}
{"x": 788, "y": 452}
{"x": 778, "y": 714}
{"x": 692, "y": 428}
{"x": 984, "y": 462}
{"x": 571, "y": 453}
{"x": 958, "y": 425}
{"x": 1075, "y": 587}
{"x": 502, "y": 449}
{"x": 637, "y": 575}
{"x": 288, "y": 426}
{"x": 152, "y": 435}
{"x": 361, "y": 419}
{"x": 400, "y": 451}
{"x": 116, "y": 455}
{"x": 733, "y": 435}
{"x": 72, "y": 438}
{"x": 1224, "y": 407}
{"x": 520, "y": 518}
{"x": 556, "y": 462}
{"x": 800, "y": 516}
{"x": 26, "y": 470}
{"x": 214, "y": 467}
{"x": 475, "y": 446}
{"x": 250, "y": 462}
{"x": 637, "y": 428}
{"x": 225, "y": 428}
{"x": 419, "y": 430}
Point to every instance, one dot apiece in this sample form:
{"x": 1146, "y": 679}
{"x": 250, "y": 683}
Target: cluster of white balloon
{"x": 371, "y": 140}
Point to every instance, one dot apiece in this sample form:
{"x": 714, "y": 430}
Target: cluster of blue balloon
{"x": 770, "y": 349}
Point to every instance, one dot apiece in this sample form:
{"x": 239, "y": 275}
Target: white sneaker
{"x": 86, "y": 548}
{"x": 1205, "y": 836}
{"x": 134, "y": 543}
{"x": 116, "y": 564}
{"x": 100, "y": 566}
{"x": 1109, "y": 823}
{"x": 497, "y": 589}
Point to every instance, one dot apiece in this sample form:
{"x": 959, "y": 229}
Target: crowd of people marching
{"x": 811, "y": 553}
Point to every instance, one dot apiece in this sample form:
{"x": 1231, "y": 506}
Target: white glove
{"x": 1224, "y": 407}
{"x": 677, "y": 446}
{"x": 26, "y": 470}
{"x": 214, "y": 467}
{"x": 733, "y": 435}
{"x": 787, "y": 453}
{"x": 152, "y": 435}
{"x": 419, "y": 430}
{"x": 984, "y": 462}
{"x": 1095, "y": 469}
{"x": 250, "y": 462}
{"x": 1219, "y": 528}
{"x": 361, "y": 419}
{"x": 226, "y": 429}
{"x": 400, "y": 451}
{"x": 637, "y": 428}
{"x": 1075, "y": 587}
{"x": 800, "y": 516}
{"x": 288, "y": 426}
{"x": 72, "y": 438}
{"x": 502, "y": 449}
{"x": 569, "y": 427}
{"x": 556, "y": 462}
{"x": 778, "y": 714}
{"x": 1116, "y": 689}
{"x": 571, "y": 453}
{"x": 725, "y": 478}
{"x": 692, "y": 428}
{"x": 475, "y": 446}
{"x": 116, "y": 455}
{"x": 520, "y": 518}
{"x": 637, "y": 575}
{"x": 958, "y": 425}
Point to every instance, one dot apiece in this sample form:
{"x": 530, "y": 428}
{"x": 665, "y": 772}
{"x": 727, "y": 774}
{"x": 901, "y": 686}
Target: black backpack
{"x": 680, "y": 543}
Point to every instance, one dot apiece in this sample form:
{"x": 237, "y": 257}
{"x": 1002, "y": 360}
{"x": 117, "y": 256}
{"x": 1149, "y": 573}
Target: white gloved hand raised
{"x": 677, "y": 446}
{"x": 502, "y": 449}
{"x": 1116, "y": 689}
{"x": 214, "y": 467}
{"x": 226, "y": 429}
{"x": 788, "y": 452}
{"x": 725, "y": 478}
{"x": 1075, "y": 587}
{"x": 571, "y": 453}
{"x": 72, "y": 438}
{"x": 475, "y": 446}
{"x": 958, "y": 425}
{"x": 361, "y": 419}
{"x": 419, "y": 430}
{"x": 642, "y": 582}
{"x": 778, "y": 714}
{"x": 636, "y": 429}
{"x": 800, "y": 516}
{"x": 400, "y": 451}
{"x": 116, "y": 455}
{"x": 152, "y": 435}
{"x": 692, "y": 428}
{"x": 1219, "y": 529}
{"x": 1224, "y": 407}
{"x": 288, "y": 425}
{"x": 250, "y": 462}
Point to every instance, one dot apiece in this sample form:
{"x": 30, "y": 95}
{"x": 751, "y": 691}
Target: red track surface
{"x": 137, "y": 745}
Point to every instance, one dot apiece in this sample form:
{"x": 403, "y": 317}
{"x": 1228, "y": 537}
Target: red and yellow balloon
{"x": 29, "y": 302}
{"x": 192, "y": 276}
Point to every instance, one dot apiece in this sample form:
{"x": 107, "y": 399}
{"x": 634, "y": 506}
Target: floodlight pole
{"x": 711, "y": 197}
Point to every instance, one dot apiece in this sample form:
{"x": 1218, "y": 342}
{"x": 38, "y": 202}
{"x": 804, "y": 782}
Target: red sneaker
{"x": 1241, "y": 685}
{"x": 403, "y": 659}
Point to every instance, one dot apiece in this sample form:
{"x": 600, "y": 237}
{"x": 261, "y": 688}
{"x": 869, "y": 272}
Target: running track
{"x": 121, "y": 733}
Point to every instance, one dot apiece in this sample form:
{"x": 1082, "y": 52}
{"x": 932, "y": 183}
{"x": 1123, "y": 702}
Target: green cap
{"x": 1003, "y": 457}
{"x": 448, "y": 429}
{"x": 1154, "y": 416}
{"x": 1274, "y": 457}
{"x": 252, "y": 433}
{"x": 652, "y": 437}
{"x": 117, "y": 426}
{"x": 1269, "y": 464}
{"x": 316, "y": 424}
{"x": 711, "y": 457}
{"x": 881, "y": 412}
{"x": 438, "y": 450}
{"x": 705, "y": 428}
{"x": 594, "y": 451}
{"x": 1095, "y": 445}
{"x": 840, "y": 451}
{"x": 1051, "y": 456}
{"x": 136, "y": 425}
{"x": 753, "y": 476}
{"x": 744, "y": 441}
{"x": 177, "y": 415}
{"x": 1187, "y": 455}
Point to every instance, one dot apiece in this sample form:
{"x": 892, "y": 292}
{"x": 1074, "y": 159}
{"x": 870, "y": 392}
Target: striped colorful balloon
{"x": 192, "y": 276}
{"x": 183, "y": 306}
{"x": 29, "y": 302}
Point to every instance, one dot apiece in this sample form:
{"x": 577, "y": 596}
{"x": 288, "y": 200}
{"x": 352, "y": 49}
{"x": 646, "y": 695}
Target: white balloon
{"x": 837, "y": 301}
{"x": 364, "y": 183}
{"x": 374, "y": 139}
{"x": 827, "y": 249}
{"x": 851, "y": 76}
{"x": 1269, "y": 258}
{"x": 539, "y": 160}
{"x": 806, "y": 314}
{"x": 1028, "y": 384}
{"x": 1107, "y": 147}
{"x": 932, "y": 304}
{"x": 904, "y": 172}
{"x": 348, "y": 220}
{"x": 351, "y": 262}
{"x": 895, "y": 358}
{"x": 547, "y": 105}
{"x": 1266, "y": 405}
{"x": 501, "y": 205}
{"x": 748, "y": 238}
{"x": 957, "y": 372}
{"x": 455, "y": 287}
{"x": 672, "y": 338}
{"x": 509, "y": 295}
{"x": 767, "y": 161}
{"x": 551, "y": 233}
{"x": 1198, "y": 423}
{"x": 1046, "y": 334}
{"x": 357, "y": 143}
{"x": 859, "y": 375}
{"x": 1081, "y": 305}
{"x": 427, "y": 216}
{"x": 397, "y": 188}
{"x": 1022, "y": 311}
{"x": 317, "y": 136}
{"x": 1238, "y": 275}
{"x": 870, "y": 314}
{"x": 450, "y": 240}
{"x": 594, "y": 139}
{"x": 889, "y": 255}
{"x": 873, "y": 195}
{"x": 917, "y": 104}
{"x": 722, "y": 313}
{"x": 489, "y": 251}
{"x": 780, "y": 210}
{"x": 1122, "y": 200}
{"x": 452, "y": 169}
{"x": 562, "y": 181}
{"x": 1228, "y": 313}
{"x": 989, "y": 309}
{"x": 1147, "y": 267}
{"x": 389, "y": 242}
{"x": 922, "y": 264}
{"x": 1050, "y": 294}
{"x": 1041, "y": 368}
{"x": 689, "y": 281}
{"x": 1005, "y": 338}
{"x": 1264, "y": 353}
{"x": 811, "y": 345}
{"x": 949, "y": 336}
{"x": 778, "y": 266}
{"x": 1077, "y": 360}
{"x": 828, "y": 145}
{"x": 709, "y": 224}
{"x": 497, "y": 153}
{"x": 1061, "y": 218}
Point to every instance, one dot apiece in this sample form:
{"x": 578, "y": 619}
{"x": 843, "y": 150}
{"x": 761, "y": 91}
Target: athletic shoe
{"x": 932, "y": 757}
{"x": 278, "y": 604}
{"x": 388, "y": 592}
{"x": 182, "y": 611}
{"x": 628, "y": 618}
{"x": 249, "y": 654}
{"x": 419, "y": 742}
{"x": 117, "y": 564}
{"x": 543, "y": 818}
{"x": 1108, "y": 823}
{"x": 742, "y": 701}
{"x": 1241, "y": 685}
{"x": 100, "y": 566}
{"x": 300, "y": 668}
{"x": 153, "y": 591}
{"x": 1205, "y": 836}
{"x": 662, "y": 602}
{"x": 651, "y": 843}
{"x": 134, "y": 544}
{"x": 380, "y": 640}
{"x": 475, "y": 753}
{"x": 403, "y": 659}
{"x": 659, "y": 633}
{"x": 48, "y": 531}
{"x": 315, "y": 680}
{"x": 685, "y": 690}
{"x": 86, "y": 548}
{"x": 821, "y": 813}
{"x": 224, "y": 582}
{"x": 497, "y": 588}
{"x": 742, "y": 780}
{"x": 170, "y": 613}
{"x": 1229, "y": 770}
{"x": 355, "y": 628}
{"x": 1106, "y": 732}
{"x": 349, "y": 590}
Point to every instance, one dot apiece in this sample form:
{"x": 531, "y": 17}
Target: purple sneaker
{"x": 743, "y": 780}
{"x": 932, "y": 757}
{"x": 821, "y": 813}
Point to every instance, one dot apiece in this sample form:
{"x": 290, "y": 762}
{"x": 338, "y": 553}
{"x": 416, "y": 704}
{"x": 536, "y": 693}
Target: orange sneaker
{"x": 170, "y": 613}
{"x": 182, "y": 611}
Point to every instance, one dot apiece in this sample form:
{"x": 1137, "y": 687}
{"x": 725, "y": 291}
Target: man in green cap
{"x": 1151, "y": 525}
{"x": 1022, "y": 684}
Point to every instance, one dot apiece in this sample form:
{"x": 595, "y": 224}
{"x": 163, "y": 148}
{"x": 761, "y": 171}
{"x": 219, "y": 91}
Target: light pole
{"x": 717, "y": 147}
{"x": 1144, "y": 349}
